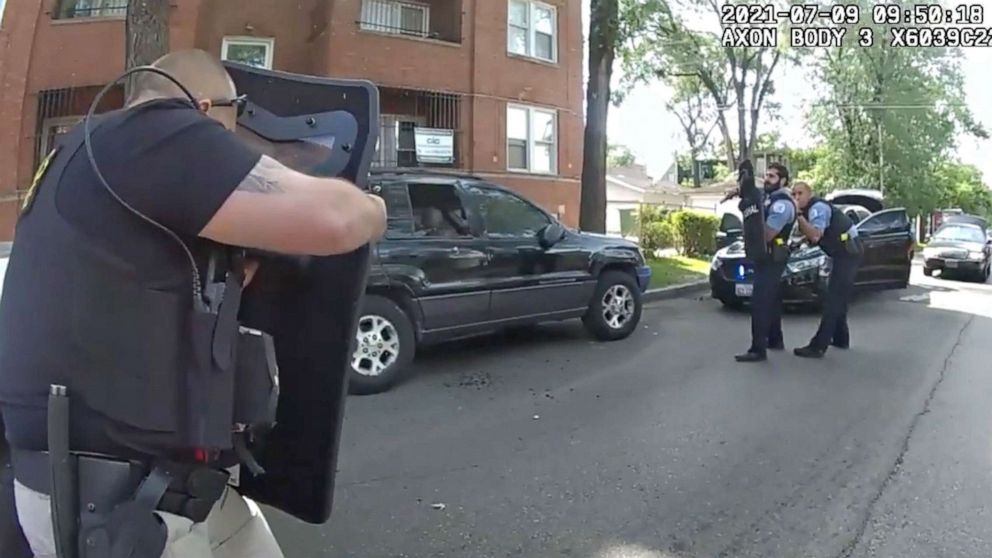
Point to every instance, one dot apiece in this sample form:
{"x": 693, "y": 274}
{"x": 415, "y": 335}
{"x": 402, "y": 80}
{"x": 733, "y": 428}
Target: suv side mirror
{"x": 550, "y": 235}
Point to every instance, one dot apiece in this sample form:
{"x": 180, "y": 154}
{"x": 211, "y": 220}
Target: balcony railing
{"x": 441, "y": 22}
{"x": 75, "y": 9}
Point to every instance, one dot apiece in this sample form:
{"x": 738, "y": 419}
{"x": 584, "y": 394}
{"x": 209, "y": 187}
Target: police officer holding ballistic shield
{"x": 827, "y": 226}
{"x": 110, "y": 301}
{"x": 766, "y": 300}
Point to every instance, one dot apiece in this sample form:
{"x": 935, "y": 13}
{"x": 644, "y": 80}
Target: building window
{"x": 391, "y": 16}
{"x": 532, "y": 30}
{"x": 52, "y": 129}
{"x": 532, "y": 140}
{"x": 248, "y": 50}
{"x": 397, "y": 141}
{"x": 72, "y": 9}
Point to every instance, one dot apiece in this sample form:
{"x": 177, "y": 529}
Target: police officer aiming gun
{"x": 827, "y": 226}
{"x": 766, "y": 300}
{"x": 99, "y": 306}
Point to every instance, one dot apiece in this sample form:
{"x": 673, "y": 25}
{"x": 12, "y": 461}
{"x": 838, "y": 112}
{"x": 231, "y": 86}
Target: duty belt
{"x": 103, "y": 507}
{"x": 104, "y": 482}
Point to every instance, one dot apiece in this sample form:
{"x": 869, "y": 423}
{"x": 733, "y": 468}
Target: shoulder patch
{"x": 778, "y": 207}
{"x": 39, "y": 175}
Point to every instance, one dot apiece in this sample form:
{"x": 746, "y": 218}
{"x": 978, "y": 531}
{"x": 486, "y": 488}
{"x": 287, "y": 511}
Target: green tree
{"x": 963, "y": 188}
{"x": 619, "y": 156}
{"x": 659, "y": 44}
{"x": 695, "y": 111}
{"x": 603, "y": 38}
{"x": 888, "y": 117}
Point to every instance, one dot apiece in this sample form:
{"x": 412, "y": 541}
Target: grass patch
{"x": 677, "y": 269}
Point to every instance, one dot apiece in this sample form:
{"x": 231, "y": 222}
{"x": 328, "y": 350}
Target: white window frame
{"x": 530, "y": 141}
{"x": 393, "y": 27}
{"x": 268, "y": 42}
{"x": 532, "y": 31}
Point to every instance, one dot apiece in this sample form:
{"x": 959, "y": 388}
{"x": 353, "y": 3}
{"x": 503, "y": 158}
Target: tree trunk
{"x": 147, "y": 34}
{"x": 742, "y": 151}
{"x": 602, "y": 48}
{"x": 728, "y": 144}
{"x": 696, "y": 182}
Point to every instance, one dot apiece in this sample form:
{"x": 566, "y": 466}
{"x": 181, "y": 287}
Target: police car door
{"x": 887, "y": 241}
{"x": 310, "y": 306}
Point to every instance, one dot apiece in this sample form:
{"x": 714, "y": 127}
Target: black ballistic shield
{"x": 310, "y": 305}
{"x": 753, "y": 213}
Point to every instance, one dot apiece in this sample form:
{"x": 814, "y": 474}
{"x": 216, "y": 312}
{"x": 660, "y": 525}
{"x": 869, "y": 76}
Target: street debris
{"x": 439, "y": 506}
{"x": 478, "y": 380}
{"x": 537, "y": 417}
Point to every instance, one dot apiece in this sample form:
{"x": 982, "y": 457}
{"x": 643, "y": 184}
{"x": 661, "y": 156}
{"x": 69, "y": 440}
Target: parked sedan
{"x": 463, "y": 256}
{"x": 959, "y": 248}
{"x": 887, "y": 237}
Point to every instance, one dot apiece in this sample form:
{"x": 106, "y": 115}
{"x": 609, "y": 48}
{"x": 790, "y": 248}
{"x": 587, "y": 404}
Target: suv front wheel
{"x": 384, "y": 346}
{"x": 615, "y": 309}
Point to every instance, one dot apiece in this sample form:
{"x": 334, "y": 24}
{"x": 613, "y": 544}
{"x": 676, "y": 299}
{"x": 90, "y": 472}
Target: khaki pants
{"x": 235, "y": 528}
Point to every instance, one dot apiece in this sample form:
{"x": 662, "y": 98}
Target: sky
{"x": 653, "y": 135}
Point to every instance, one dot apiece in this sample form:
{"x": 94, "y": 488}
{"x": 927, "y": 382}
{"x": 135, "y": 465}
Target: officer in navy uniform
{"x": 106, "y": 300}
{"x": 825, "y": 225}
{"x": 766, "y": 300}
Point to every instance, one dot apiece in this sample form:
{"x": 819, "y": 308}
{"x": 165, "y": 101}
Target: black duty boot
{"x": 751, "y": 356}
{"x": 841, "y": 344}
{"x": 809, "y": 351}
{"x": 776, "y": 345}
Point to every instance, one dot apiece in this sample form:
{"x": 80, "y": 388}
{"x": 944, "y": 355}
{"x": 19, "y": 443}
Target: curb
{"x": 676, "y": 291}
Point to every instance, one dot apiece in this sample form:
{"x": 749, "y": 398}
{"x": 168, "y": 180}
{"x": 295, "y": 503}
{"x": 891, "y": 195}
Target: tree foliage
{"x": 889, "y": 117}
{"x": 658, "y": 44}
{"x": 619, "y": 156}
{"x": 962, "y": 187}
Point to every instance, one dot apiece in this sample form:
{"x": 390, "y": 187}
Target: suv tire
{"x": 384, "y": 346}
{"x": 615, "y": 309}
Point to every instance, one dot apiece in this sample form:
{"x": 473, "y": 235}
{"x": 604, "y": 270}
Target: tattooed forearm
{"x": 263, "y": 178}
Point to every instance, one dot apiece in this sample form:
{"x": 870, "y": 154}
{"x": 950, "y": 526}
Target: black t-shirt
{"x": 173, "y": 164}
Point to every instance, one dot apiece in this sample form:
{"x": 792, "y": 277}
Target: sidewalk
{"x": 676, "y": 291}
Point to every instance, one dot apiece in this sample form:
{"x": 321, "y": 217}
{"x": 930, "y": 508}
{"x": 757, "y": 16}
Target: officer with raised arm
{"x": 832, "y": 230}
{"x": 766, "y": 300}
{"x": 120, "y": 365}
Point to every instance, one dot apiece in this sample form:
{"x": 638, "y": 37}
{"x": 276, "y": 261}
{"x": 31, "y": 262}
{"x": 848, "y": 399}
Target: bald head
{"x": 199, "y": 71}
{"x": 802, "y": 193}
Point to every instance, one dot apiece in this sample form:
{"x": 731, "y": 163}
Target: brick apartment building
{"x": 500, "y": 80}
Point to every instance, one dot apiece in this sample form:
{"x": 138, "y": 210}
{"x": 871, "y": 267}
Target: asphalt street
{"x": 662, "y": 446}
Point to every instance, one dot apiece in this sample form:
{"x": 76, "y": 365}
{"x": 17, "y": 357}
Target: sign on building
{"x": 435, "y": 145}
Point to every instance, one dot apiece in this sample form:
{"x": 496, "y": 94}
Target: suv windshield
{"x": 963, "y": 234}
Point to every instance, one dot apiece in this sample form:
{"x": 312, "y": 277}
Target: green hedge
{"x": 651, "y": 214}
{"x": 692, "y": 233}
{"x": 656, "y": 235}
{"x": 695, "y": 232}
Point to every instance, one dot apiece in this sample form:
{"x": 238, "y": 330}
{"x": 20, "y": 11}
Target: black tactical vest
{"x": 152, "y": 360}
{"x": 832, "y": 241}
{"x": 782, "y": 238}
